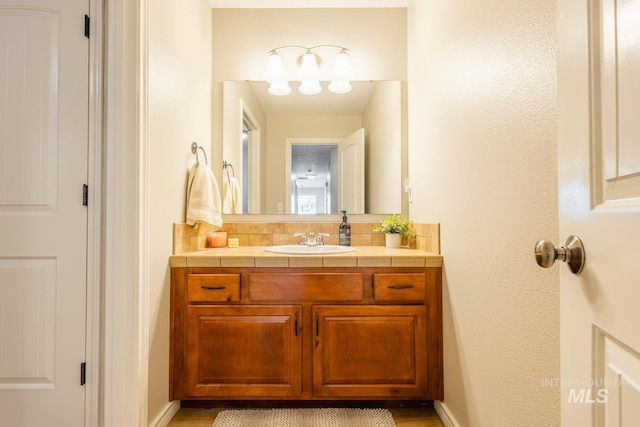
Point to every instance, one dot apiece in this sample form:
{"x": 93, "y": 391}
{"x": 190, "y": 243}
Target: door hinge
{"x": 83, "y": 373}
{"x": 87, "y": 25}
{"x": 85, "y": 195}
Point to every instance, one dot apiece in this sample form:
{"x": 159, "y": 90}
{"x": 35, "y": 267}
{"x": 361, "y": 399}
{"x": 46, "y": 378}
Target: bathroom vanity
{"x": 269, "y": 326}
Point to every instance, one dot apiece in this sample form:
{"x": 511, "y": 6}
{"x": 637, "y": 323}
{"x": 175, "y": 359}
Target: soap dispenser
{"x": 345, "y": 231}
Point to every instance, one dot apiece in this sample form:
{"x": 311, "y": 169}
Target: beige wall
{"x": 179, "y": 113}
{"x": 242, "y": 38}
{"x": 382, "y": 121}
{"x": 482, "y": 144}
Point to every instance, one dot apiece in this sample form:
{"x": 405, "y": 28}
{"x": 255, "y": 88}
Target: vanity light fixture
{"x": 309, "y": 64}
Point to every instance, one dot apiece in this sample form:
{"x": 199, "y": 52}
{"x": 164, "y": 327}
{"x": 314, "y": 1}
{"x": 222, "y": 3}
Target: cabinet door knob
{"x": 295, "y": 323}
{"x": 317, "y": 323}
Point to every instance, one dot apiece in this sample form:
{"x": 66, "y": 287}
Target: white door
{"x": 599, "y": 200}
{"x": 351, "y": 170}
{"x": 43, "y": 223}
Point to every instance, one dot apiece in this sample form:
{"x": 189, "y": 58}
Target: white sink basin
{"x": 309, "y": 250}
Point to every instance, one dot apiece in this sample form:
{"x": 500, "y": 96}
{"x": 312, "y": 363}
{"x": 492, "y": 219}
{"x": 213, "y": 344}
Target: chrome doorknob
{"x": 572, "y": 253}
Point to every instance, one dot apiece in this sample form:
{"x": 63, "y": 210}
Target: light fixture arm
{"x": 293, "y": 46}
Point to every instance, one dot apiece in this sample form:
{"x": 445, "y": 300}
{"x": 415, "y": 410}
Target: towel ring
{"x": 194, "y": 150}
{"x": 226, "y": 165}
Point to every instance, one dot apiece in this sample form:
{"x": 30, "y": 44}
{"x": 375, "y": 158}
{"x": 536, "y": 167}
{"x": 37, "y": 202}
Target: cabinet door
{"x": 243, "y": 351}
{"x": 370, "y": 351}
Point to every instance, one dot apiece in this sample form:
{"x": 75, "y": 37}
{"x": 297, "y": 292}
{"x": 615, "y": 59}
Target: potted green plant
{"x": 395, "y": 228}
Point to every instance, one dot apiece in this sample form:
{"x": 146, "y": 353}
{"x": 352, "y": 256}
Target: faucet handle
{"x": 303, "y": 238}
{"x": 320, "y": 239}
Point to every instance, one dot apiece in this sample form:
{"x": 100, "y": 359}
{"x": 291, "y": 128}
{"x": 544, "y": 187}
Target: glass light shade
{"x": 280, "y": 88}
{"x": 309, "y": 67}
{"x": 275, "y": 69}
{"x": 341, "y": 67}
{"x": 340, "y": 86}
{"x": 310, "y": 87}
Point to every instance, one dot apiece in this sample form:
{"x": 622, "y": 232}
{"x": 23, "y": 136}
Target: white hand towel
{"x": 203, "y": 197}
{"x": 231, "y": 191}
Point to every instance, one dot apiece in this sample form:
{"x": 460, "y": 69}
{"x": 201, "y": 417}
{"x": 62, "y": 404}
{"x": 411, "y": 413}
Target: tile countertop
{"x": 256, "y": 256}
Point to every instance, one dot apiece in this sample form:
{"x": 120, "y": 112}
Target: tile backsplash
{"x": 189, "y": 239}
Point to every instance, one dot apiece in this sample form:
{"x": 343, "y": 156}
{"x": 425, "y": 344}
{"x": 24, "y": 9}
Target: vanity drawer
{"x": 213, "y": 287}
{"x": 305, "y": 287}
{"x": 403, "y": 287}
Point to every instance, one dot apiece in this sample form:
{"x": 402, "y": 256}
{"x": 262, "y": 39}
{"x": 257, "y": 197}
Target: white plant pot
{"x": 393, "y": 240}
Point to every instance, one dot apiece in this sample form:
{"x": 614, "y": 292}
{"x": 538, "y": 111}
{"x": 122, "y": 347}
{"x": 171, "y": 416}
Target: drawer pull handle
{"x": 295, "y": 323}
{"x": 400, "y": 287}
{"x": 317, "y": 323}
{"x": 213, "y": 288}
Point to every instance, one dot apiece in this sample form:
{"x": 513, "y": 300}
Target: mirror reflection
{"x": 326, "y": 175}
{"x": 315, "y": 154}
{"x": 311, "y": 186}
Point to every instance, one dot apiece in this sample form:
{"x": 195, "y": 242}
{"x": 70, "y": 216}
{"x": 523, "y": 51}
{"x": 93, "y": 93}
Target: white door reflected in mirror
{"x": 326, "y": 175}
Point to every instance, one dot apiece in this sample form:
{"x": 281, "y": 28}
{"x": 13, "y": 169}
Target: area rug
{"x": 315, "y": 417}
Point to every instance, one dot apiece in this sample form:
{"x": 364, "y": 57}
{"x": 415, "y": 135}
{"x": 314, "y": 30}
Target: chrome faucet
{"x": 311, "y": 240}
{"x": 303, "y": 238}
{"x": 320, "y": 240}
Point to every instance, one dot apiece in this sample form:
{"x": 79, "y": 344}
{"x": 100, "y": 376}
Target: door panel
{"x": 43, "y": 225}
{"x": 599, "y": 195}
{"x": 615, "y": 36}
{"x": 27, "y": 323}
{"x": 370, "y": 351}
{"x": 244, "y": 351}
{"x": 29, "y": 113}
{"x": 624, "y": 28}
{"x": 618, "y": 394}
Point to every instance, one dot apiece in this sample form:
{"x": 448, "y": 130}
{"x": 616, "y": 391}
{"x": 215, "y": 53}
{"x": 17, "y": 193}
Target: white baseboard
{"x": 445, "y": 415}
{"x": 163, "y": 418}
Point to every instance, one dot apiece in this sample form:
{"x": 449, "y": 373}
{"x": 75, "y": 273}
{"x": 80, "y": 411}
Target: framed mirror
{"x": 280, "y": 155}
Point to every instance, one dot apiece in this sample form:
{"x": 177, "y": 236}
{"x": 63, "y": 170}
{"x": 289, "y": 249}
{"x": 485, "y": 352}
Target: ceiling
{"x": 297, "y": 4}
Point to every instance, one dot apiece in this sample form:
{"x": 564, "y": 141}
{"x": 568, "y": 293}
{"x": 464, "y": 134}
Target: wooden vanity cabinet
{"x": 306, "y": 333}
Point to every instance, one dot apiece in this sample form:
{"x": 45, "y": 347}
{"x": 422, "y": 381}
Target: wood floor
{"x": 403, "y": 417}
